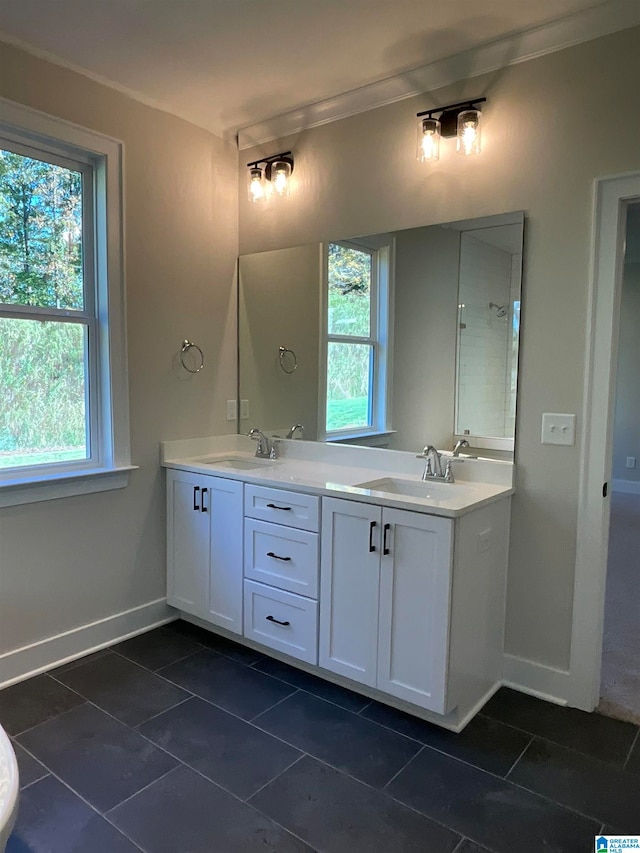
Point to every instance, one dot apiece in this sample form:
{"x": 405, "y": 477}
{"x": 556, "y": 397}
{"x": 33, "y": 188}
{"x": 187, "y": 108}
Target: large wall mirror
{"x": 394, "y": 340}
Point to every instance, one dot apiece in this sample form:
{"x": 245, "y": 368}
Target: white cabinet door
{"x": 188, "y": 542}
{"x": 415, "y": 594}
{"x": 204, "y": 547}
{"x": 222, "y": 504}
{"x": 349, "y": 581}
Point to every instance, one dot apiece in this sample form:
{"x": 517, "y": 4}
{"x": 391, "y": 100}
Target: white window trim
{"x": 383, "y": 247}
{"x": 112, "y": 472}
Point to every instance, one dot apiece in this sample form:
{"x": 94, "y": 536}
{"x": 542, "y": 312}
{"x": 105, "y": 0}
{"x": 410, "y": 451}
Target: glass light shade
{"x": 280, "y": 175}
{"x": 428, "y": 140}
{"x": 256, "y": 184}
{"x": 469, "y": 132}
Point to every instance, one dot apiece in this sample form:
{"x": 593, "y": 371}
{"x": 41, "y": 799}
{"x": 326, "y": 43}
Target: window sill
{"x": 374, "y": 435}
{"x": 26, "y": 490}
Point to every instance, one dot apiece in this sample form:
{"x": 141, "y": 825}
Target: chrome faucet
{"x": 459, "y": 445}
{"x": 294, "y": 428}
{"x": 433, "y": 465}
{"x": 266, "y": 449}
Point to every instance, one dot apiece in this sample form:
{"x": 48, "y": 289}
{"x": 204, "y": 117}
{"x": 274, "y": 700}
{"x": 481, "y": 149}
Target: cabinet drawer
{"x": 281, "y": 620}
{"x": 282, "y": 507}
{"x": 281, "y": 556}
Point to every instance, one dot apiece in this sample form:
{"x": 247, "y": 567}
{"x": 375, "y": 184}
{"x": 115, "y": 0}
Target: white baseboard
{"x": 539, "y": 680}
{"x": 24, "y": 662}
{"x": 629, "y": 487}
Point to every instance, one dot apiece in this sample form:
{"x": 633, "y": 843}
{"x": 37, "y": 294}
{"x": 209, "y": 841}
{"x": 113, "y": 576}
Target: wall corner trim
{"x": 536, "y": 679}
{"x": 588, "y": 24}
{"x": 22, "y": 663}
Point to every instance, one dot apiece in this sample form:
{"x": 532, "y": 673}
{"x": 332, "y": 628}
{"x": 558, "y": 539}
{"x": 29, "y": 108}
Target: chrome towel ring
{"x": 288, "y": 359}
{"x": 186, "y": 346}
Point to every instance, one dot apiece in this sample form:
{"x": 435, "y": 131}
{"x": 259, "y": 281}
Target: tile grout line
{"x": 634, "y": 742}
{"x": 49, "y": 719}
{"x": 144, "y": 788}
{"x": 495, "y": 776}
{"x": 35, "y": 781}
{"x": 298, "y": 758}
{"x": 184, "y": 765}
{"x": 527, "y": 745}
{"x": 558, "y": 743}
{"x": 84, "y": 799}
{"x": 148, "y": 671}
{"x": 155, "y": 716}
{"x": 131, "y": 726}
{"x": 404, "y": 767}
{"x": 271, "y": 707}
{"x": 368, "y": 701}
{"x": 148, "y": 668}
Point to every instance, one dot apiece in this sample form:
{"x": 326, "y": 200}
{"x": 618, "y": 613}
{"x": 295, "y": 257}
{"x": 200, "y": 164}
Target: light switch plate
{"x": 232, "y": 410}
{"x": 558, "y": 429}
{"x": 244, "y": 410}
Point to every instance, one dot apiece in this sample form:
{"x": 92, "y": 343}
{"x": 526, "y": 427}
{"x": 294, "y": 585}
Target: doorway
{"x": 620, "y": 678}
{"x": 614, "y": 197}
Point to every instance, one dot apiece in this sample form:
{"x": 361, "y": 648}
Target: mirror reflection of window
{"x": 353, "y": 370}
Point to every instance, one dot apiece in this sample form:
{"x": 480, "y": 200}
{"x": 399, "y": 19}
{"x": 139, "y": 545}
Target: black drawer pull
{"x": 385, "y": 547}
{"x": 196, "y": 489}
{"x": 276, "y": 557}
{"x": 202, "y": 506}
{"x": 274, "y": 506}
{"x": 372, "y": 524}
{"x": 277, "y": 621}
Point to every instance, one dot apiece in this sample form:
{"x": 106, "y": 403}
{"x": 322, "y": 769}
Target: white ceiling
{"x": 227, "y": 64}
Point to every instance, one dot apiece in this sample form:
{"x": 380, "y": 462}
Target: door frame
{"x": 612, "y": 196}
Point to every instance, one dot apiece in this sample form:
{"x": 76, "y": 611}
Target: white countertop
{"x": 338, "y": 471}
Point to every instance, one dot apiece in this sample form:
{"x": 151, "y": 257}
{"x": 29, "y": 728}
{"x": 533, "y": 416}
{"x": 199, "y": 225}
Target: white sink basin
{"x": 411, "y": 488}
{"x": 239, "y": 463}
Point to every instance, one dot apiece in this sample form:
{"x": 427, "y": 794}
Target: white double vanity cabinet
{"x": 341, "y": 561}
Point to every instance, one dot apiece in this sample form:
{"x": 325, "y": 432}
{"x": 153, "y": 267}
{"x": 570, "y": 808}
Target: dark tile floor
{"x": 178, "y": 741}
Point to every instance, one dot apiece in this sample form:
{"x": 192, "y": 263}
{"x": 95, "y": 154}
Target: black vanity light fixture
{"x": 461, "y": 120}
{"x": 270, "y": 175}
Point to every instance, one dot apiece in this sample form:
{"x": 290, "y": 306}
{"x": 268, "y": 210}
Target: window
{"x": 356, "y": 319}
{"x": 63, "y": 412}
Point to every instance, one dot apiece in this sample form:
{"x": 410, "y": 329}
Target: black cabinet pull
{"x": 196, "y": 489}
{"x": 277, "y": 621}
{"x": 372, "y": 524}
{"x": 276, "y": 557}
{"x": 202, "y": 506}
{"x": 285, "y": 508}
{"x": 385, "y": 548}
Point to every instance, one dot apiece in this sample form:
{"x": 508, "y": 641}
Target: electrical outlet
{"x": 232, "y": 410}
{"x": 631, "y": 461}
{"x": 558, "y": 429}
{"x": 244, "y": 410}
{"x": 484, "y": 540}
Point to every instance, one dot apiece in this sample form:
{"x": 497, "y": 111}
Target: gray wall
{"x": 541, "y": 155}
{"x": 424, "y": 348}
{"x": 65, "y": 563}
{"x": 280, "y": 306}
